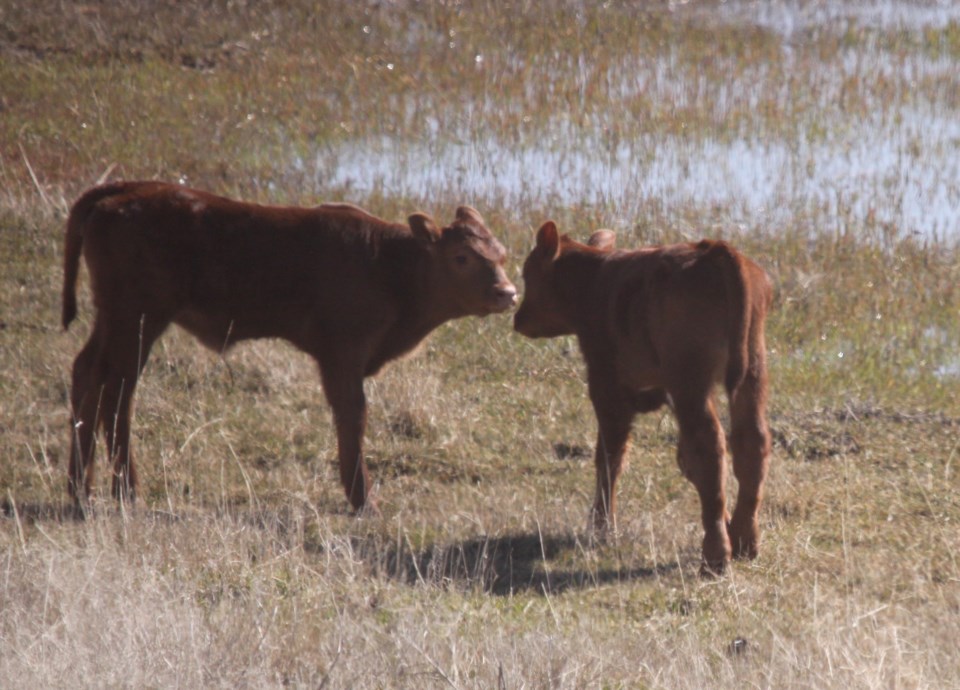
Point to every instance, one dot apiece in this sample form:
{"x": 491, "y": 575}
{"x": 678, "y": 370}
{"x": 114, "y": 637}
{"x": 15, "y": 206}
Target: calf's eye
{"x": 460, "y": 259}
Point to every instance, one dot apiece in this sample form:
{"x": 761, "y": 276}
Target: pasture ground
{"x": 241, "y": 566}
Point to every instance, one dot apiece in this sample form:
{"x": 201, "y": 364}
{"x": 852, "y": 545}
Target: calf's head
{"x": 466, "y": 263}
{"x": 543, "y": 312}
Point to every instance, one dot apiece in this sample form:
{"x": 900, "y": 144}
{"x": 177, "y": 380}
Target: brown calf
{"x": 658, "y": 325}
{"x": 347, "y": 288}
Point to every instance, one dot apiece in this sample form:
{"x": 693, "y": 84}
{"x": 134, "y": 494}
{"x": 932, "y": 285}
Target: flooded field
{"x": 848, "y": 115}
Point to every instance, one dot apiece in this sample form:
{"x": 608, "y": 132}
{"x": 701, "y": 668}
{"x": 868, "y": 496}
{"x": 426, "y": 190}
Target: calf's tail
{"x": 73, "y": 247}
{"x": 71, "y": 268}
{"x": 739, "y": 310}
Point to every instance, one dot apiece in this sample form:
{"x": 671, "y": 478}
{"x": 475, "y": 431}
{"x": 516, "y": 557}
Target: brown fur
{"x": 657, "y": 325}
{"x": 347, "y": 288}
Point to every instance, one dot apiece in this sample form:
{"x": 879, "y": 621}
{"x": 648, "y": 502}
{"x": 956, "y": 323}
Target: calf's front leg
{"x": 344, "y": 392}
{"x": 614, "y": 418}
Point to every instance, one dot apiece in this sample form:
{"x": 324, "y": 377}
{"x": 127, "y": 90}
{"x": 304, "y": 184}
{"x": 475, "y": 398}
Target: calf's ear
{"x": 469, "y": 214}
{"x": 548, "y": 240}
{"x": 423, "y": 227}
{"x": 603, "y": 239}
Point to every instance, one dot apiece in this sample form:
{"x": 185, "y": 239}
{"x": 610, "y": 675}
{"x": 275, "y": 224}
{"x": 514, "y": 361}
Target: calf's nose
{"x": 506, "y": 294}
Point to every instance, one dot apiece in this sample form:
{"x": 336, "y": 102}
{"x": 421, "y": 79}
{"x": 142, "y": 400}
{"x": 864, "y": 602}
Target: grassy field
{"x": 821, "y": 140}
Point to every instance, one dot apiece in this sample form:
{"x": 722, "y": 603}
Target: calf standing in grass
{"x": 347, "y": 288}
{"x": 664, "y": 325}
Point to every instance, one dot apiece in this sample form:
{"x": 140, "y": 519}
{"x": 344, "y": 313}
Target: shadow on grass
{"x": 41, "y": 512}
{"x": 500, "y": 565}
{"x": 507, "y": 565}
{"x": 28, "y": 512}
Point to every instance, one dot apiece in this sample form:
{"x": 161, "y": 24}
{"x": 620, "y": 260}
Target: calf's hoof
{"x": 601, "y": 533}
{"x": 710, "y": 570}
{"x": 368, "y": 509}
{"x": 123, "y": 490}
{"x": 78, "y": 510}
{"x": 744, "y": 550}
{"x": 745, "y": 540}
{"x": 716, "y": 553}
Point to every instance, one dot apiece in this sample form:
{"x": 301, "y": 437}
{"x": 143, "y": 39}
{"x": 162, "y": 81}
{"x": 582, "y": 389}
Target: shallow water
{"x": 789, "y": 18}
{"x": 874, "y": 172}
{"x": 895, "y": 168}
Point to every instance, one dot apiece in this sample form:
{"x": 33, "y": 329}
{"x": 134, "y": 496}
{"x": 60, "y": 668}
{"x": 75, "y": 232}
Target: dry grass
{"x": 242, "y": 567}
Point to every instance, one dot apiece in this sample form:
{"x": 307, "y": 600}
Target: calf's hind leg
{"x": 105, "y": 378}
{"x": 85, "y": 406}
{"x": 700, "y": 454}
{"x": 750, "y": 443}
